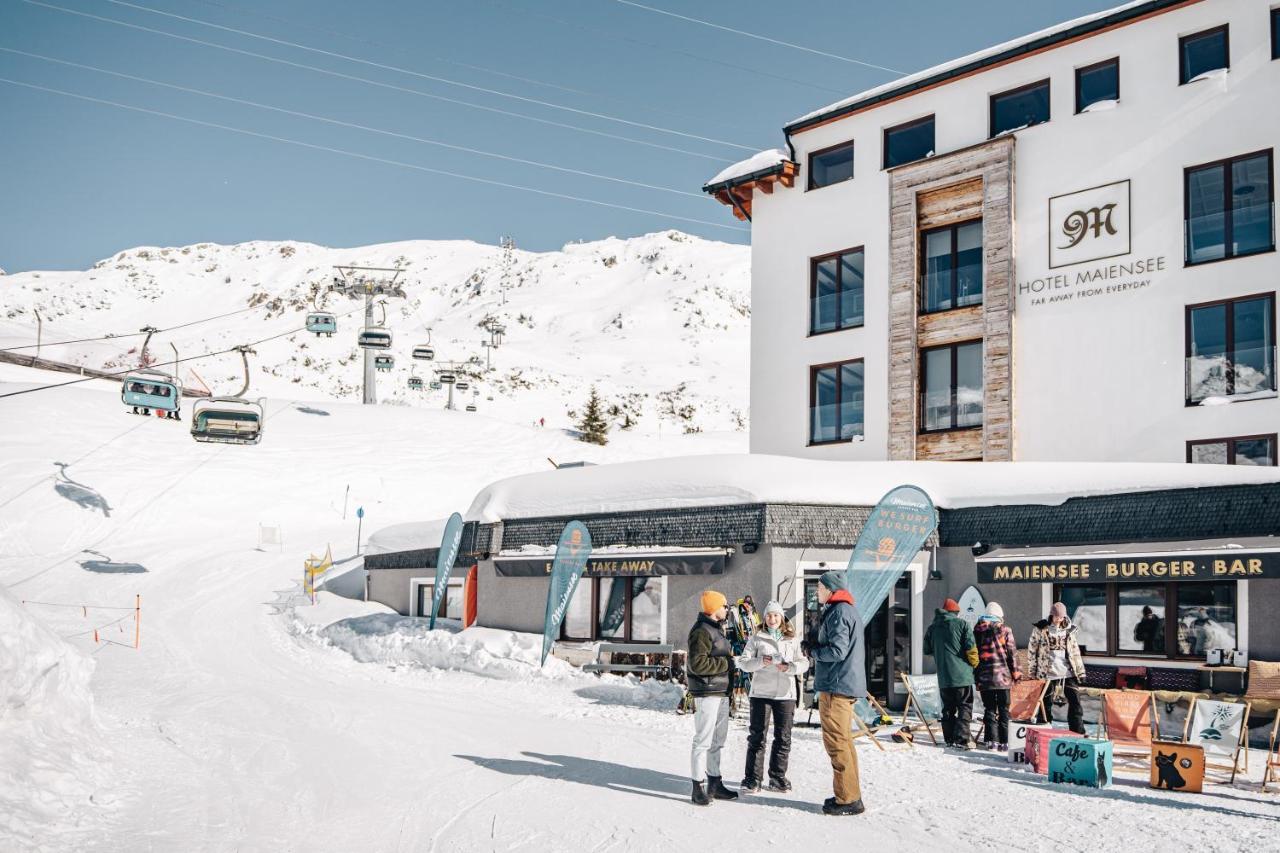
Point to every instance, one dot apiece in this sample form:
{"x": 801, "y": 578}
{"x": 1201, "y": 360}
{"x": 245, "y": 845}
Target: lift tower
{"x": 354, "y": 282}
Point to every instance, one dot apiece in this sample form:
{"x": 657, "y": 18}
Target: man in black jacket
{"x": 708, "y": 674}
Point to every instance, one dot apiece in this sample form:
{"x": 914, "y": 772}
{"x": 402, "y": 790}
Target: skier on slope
{"x": 773, "y": 656}
{"x": 709, "y": 673}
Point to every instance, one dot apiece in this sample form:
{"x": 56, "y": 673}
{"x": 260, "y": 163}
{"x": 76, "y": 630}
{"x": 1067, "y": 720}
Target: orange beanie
{"x": 713, "y": 601}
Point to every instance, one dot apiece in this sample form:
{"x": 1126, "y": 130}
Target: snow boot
{"x": 989, "y": 746}
{"x": 1002, "y": 747}
{"x": 966, "y": 745}
{"x": 831, "y": 807}
{"x": 749, "y": 786}
{"x": 780, "y": 785}
{"x": 717, "y": 790}
{"x": 700, "y": 796}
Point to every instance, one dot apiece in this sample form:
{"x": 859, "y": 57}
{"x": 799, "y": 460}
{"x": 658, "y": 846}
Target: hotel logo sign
{"x": 1089, "y": 225}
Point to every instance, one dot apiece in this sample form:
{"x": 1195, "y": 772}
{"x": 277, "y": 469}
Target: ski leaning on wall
{"x": 894, "y": 533}
{"x": 572, "y": 554}
{"x": 449, "y": 545}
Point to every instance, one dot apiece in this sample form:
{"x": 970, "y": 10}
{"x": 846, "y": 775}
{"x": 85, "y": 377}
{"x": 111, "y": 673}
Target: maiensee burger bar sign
{"x": 605, "y": 566}
{"x": 1131, "y": 568}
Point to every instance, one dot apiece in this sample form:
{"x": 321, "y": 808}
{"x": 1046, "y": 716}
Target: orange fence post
{"x": 137, "y": 620}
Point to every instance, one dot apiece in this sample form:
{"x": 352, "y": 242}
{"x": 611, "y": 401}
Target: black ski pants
{"x": 957, "y": 714}
{"x": 995, "y": 716}
{"x": 783, "y": 712}
{"x": 1075, "y": 714}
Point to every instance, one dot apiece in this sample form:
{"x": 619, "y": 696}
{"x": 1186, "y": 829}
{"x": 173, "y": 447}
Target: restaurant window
{"x": 1159, "y": 620}
{"x": 836, "y": 292}
{"x": 836, "y": 402}
{"x": 1200, "y": 53}
{"x": 831, "y": 165}
{"x": 451, "y": 606}
{"x": 1231, "y": 349}
{"x": 951, "y": 387}
{"x": 1228, "y": 208}
{"x": 622, "y": 609}
{"x": 1097, "y": 83}
{"x": 1248, "y": 450}
{"x": 952, "y": 267}
{"x": 1019, "y": 108}
{"x": 908, "y": 142}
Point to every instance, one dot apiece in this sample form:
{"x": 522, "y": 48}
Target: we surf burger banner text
{"x": 894, "y": 533}
{"x": 572, "y": 554}
{"x": 449, "y": 545}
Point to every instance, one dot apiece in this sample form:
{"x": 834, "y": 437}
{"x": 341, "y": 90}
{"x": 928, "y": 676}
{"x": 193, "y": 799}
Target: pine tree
{"x": 592, "y": 426}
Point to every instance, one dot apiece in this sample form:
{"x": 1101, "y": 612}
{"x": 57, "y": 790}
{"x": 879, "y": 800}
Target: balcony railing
{"x": 1244, "y": 374}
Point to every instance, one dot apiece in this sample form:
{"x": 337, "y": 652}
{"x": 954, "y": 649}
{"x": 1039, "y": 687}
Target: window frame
{"x": 954, "y": 228}
{"x": 924, "y": 378}
{"x": 1228, "y": 213}
{"x": 595, "y": 614}
{"x": 1225, "y": 29}
{"x": 1018, "y": 90}
{"x": 906, "y": 125}
{"x": 809, "y": 185}
{"x": 813, "y": 400}
{"x": 1229, "y": 335}
{"x": 813, "y": 289}
{"x": 1230, "y": 441}
{"x": 1171, "y": 589}
{"x": 1274, "y": 21}
{"x": 1084, "y": 69}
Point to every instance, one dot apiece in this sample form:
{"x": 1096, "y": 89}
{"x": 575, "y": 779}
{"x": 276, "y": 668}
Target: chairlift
{"x": 384, "y": 362}
{"x": 462, "y": 385}
{"x": 471, "y": 407}
{"x": 374, "y": 337}
{"x": 145, "y": 390}
{"x": 415, "y": 384}
{"x": 422, "y": 352}
{"x": 227, "y": 420}
{"x": 435, "y": 385}
{"x": 322, "y": 323}
{"x": 490, "y": 399}
{"x": 448, "y": 378}
{"x": 475, "y": 359}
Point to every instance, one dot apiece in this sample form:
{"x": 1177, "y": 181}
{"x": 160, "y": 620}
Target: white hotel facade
{"x": 1060, "y": 248}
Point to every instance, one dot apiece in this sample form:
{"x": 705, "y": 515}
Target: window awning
{"x": 622, "y": 564}
{"x": 1143, "y": 562}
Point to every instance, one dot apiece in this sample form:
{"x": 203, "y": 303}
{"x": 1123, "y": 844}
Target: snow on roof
{"x": 755, "y": 163}
{"x": 729, "y": 479}
{"x": 911, "y": 79}
{"x": 412, "y": 536}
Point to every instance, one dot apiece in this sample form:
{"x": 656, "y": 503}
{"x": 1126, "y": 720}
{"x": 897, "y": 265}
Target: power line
{"x": 112, "y": 337}
{"x": 377, "y": 83}
{"x": 432, "y": 77}
{"x": 355, "y": 126}
{"x": 748, "y": 35}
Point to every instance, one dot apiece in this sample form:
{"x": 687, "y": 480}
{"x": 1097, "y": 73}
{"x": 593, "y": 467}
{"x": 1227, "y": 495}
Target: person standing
{"x": 997, "y": 671}
{"x": 709, "y": 674}
{"x": 773, "y": 656}
{"x": 1054, "y": 655}
{"x": 955, "y": 654}
{"x": 839, "y": 678}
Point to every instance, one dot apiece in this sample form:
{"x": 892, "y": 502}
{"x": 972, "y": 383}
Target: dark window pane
{"x": 1204, "y": 52}
{"x": 1251, "y": 227}
{"x": 1252, "y": 347}
{"x": 968, "y": 385}
{"x": 1141, "y": 618}
{"x": 937, "y": 270}
{"x": 646, "y": 610}
{"x": 1206, "y": 617}
{"x": 824, "y": 411}
{"x": 851, "y": 400}
{"x": 1087, "y": 608}
{"x": 969, "y": 264}
{"x": 1256, "y": 451}
{"x": 831, "y": 167}
{"x": 1210, "y": 453}
{"x": 1101, "y": 83}
{"x": 613, "y": 607}
{"x": 905, "y": 144}
{"x": 1206, "y": 220}
{"x": 851, "y": 289}
{"x": 1020, "y": 109}
{"x": 824, "y": 299}
{"x": 1207, "y": 364}
{"x": 1275, "y": 33}
{"x": 937, "y": 389}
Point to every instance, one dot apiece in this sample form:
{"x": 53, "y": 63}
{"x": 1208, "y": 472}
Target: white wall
{"x": 1100, "y": 378}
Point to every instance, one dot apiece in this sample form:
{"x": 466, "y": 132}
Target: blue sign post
{"x": 449, "y": 545}
{"x": 359, "y": 526}
{"x": 572, "y": 554}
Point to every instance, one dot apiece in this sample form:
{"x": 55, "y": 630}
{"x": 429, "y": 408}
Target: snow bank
{"x": 407, "y": 537}
{"x": 749, "y": 166}
{"x": 730, "y": 479}
{"x": 48, "y": 734}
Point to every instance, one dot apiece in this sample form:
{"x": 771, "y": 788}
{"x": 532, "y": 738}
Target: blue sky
{"x": 81, "y": 180}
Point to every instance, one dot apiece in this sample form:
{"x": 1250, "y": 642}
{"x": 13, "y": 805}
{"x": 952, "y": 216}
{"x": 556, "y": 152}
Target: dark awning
{"x": 628, "y": 564}
{"x": 1142, "y": 562}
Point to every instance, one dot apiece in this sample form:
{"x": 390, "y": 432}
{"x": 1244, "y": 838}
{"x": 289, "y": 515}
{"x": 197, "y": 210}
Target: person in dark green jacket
{"x": 955, "y": 654}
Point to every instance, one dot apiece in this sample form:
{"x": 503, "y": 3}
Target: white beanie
{"x": 774, "y": 607}
{"x": 995, "y": 611}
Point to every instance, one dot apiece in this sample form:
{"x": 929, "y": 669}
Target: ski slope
{"x": 245, "y": 721}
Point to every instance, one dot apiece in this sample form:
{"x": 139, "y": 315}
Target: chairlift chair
{"x": 462, "y": 385}
{"x": 435, "y": 385}
{"x": 415, "y": 384}
{"x": 374, "y": 337}
{"x": 471, "y": 407}
{"x": 146, "y": 390}
{"x": 448, "y": 378}
{"x": 422, "y": 352}
{"x": 322, "y": 323}
{"x": 384, "y": 362}
{"x": 227, "y": 420}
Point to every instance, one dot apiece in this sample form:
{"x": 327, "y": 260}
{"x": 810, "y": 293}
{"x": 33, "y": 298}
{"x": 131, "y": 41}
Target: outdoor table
{"x": 1037, "y": 750}
{"x": 1076, "y": 760}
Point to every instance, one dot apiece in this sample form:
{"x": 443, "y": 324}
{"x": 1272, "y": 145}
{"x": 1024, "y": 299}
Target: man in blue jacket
{"x": 839, "y": 678}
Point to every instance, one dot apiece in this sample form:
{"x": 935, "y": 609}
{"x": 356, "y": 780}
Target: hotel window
{"x": 1202, "y": 52}
{"x": 836, "y": 402}
{"x": 908, "y": 142}
{"x": 1134, "y": 619}
{"x": 831, "y": 165}
{"x": 627, "y": 609}
{"x": 1229, "y": 208}
{"x": 1247, "y": 450}
{"x": 1275, "y": 33}
{"x": 952, "y": 265}
{"x": 1019, "y": 108}
{"x": 1097, "y": 83}
{"x": 835, "y": 291}
{"x": 951, "y": 387}
{"x": 1231, "y": 349}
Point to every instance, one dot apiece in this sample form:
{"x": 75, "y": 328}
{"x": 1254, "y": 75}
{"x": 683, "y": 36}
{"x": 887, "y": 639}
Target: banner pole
{"x": 137, "y": 620}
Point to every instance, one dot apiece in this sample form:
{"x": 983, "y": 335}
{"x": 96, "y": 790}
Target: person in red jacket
{"x": 996, "y": 673}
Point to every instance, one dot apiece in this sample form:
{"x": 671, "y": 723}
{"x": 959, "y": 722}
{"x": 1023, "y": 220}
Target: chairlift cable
{"x": 112, "y": 337}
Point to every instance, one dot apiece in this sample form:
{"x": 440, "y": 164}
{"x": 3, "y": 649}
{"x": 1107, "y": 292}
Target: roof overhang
{"x": 738, "y": 191}
{"x": 622, "y": 563}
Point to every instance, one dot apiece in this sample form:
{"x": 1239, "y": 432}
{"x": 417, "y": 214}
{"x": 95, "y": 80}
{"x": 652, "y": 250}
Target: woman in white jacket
{"x": 774, "y": 659}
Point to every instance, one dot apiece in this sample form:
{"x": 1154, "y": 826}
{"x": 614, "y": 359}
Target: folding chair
{"x": 1272, "y": 773}
{"x": 1171, "y": 714}
{"x": 1221, "y": 729}
{"x": 1026, "y": 700}
{"x": 924, "y": 698}
{"x": 1126, "y": 720}
{"x": 867, "y": 716}
{"x": 1264, "y": 688}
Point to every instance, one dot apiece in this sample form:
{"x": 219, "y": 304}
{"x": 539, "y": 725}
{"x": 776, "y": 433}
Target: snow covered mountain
{"x": 659, "y": 323}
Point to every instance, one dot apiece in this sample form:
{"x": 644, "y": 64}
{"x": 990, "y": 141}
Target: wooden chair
{"x": 1127, "y": 722}
{"x": 1171, "y": 714}
{"x": 867, "y": 716}
{"x": 925, "y": 700}
{"x": 1264, "y": 687}
{"x": 1026, "y": 700}
{"x": 1221, "y": 729}
{"x": 1272, "y": 772}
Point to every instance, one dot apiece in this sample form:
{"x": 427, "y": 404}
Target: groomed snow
{"x": 729, "y": 479}
{"x": 751, "y": 165}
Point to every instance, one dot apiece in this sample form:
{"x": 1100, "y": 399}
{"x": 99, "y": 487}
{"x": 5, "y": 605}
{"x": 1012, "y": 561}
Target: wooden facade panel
{"x": 945, "y": 327}
{"x": 955, "y": 444}
{"x": 948, "y": 205}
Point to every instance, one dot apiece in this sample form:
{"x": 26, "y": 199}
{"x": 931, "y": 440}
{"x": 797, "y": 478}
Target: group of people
{"x": 773, "y": 657}
{"x": 984, "y": 657}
